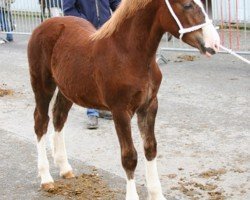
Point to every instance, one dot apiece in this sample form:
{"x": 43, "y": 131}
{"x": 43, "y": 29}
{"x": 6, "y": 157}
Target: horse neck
{"x": 140, "y": 35}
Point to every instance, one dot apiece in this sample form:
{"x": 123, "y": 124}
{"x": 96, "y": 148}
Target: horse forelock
{"x": 126, "y": 9}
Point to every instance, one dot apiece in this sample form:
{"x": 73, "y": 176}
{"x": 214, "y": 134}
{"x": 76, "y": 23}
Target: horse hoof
{"x": 68, "y": 175}
{"x": 48, "y": 187}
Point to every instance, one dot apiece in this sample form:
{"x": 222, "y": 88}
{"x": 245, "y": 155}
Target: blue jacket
{"x": 95, "y": 11}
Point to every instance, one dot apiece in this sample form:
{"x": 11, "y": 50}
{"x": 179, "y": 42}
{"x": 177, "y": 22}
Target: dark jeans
{"x": 92, "y": 112}
{"x": 6, "y": 23}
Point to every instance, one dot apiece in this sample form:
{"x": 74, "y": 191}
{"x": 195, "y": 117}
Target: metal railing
{"x": 22, "y": 16}
{"x": 231, "y": 16}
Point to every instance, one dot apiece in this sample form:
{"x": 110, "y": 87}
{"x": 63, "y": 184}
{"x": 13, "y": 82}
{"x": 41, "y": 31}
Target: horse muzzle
{"x": 211, "y": 40}
{"x": 209, "y": 51}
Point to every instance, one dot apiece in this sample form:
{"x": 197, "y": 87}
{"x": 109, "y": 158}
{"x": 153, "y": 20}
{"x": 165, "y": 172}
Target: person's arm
{"x": 114, "y": 4}
{"x": 70, "y": 9}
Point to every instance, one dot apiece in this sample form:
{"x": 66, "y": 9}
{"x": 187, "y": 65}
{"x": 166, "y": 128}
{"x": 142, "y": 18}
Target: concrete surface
{"x": 202, "y": 124}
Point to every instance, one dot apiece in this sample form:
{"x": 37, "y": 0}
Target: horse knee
{"x": 150, "y": 148}
{"x": 129, "y": 161}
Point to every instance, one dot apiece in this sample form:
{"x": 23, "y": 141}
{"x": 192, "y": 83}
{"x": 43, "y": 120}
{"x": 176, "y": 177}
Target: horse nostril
{"x": 211, "y": 51}
{"x": 216, "y": 47}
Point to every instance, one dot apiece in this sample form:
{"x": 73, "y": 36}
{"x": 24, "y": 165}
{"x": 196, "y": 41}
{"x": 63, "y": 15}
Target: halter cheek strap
{"x": 183, "y": 30}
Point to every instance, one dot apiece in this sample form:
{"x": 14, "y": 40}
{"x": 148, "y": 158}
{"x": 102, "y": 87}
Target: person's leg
{"x": 1, "y": 20}
{"x": 7, "y": 25}
{"x": 105, "y": 114}
{"x": 2, "y": 41}
{"x": 92, "y": 112}
{"x": 93, "y": 115}
{"x": 9, "y": 37}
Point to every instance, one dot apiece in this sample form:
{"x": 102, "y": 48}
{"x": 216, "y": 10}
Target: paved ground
{"x": 202, "y": 130}
{"x": 19, "y": 173}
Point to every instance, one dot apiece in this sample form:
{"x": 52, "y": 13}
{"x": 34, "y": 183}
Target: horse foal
{"x": 113, "y": 69}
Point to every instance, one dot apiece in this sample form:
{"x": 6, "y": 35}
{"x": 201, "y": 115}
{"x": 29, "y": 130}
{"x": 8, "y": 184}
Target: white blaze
{"x": 211, "y": 36}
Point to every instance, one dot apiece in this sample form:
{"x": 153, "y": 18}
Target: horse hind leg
{"x": 43, "y": 98}
{"x": 60, "y": 114}
{"x": 146, "y": 122}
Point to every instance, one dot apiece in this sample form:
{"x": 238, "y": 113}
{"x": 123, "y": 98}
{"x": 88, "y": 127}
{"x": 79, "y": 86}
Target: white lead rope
{"x": 230, "y": 51}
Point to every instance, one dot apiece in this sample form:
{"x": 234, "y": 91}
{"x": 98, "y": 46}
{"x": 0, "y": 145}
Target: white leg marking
{"x": 131, "y": 190}
{"x": 153, "y": 182}
{"x": 43, "y": 163}
{"x": 59, "y": 152}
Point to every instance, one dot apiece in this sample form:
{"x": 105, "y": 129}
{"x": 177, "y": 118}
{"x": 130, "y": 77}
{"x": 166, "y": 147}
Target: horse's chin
{"x": 199, "y": 43}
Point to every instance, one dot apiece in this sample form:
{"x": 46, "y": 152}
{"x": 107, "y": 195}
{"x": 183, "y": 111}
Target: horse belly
{"x": 83, "y": 93}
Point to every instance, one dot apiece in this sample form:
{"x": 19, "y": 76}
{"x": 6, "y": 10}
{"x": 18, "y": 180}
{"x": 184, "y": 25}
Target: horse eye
{"x": 188, "y": 6}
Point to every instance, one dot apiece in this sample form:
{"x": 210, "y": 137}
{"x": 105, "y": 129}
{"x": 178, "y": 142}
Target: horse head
{"x": 187, "y": 20}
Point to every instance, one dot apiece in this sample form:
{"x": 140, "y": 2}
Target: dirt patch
{"x": 171, "y": 176}
{"x": 198, "y": 190}
{"x": 83, "y": 187}
{"x": 216, "y": 196}
{"x": 212, "y": 173}
{"x": 5, "y": 92}
{"x": 195, "y": 190}
{"x": 183, "y": 58}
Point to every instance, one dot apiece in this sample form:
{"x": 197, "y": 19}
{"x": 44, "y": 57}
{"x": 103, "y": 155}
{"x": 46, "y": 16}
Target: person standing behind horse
{"x": 6, "y": 23}
{"x": 96, "y": 12}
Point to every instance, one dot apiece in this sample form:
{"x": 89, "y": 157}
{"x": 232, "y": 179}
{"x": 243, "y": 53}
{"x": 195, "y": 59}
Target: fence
{"x": 232, "y": 18}
{"x": 22, "y": 16}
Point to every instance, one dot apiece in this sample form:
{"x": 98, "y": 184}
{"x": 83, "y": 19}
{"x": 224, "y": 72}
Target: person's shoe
{"x": 105, "y": 114}
{"x": 2, "y": 41}
{"x": 92, "y": 122}
{"x": 9, "y": 40}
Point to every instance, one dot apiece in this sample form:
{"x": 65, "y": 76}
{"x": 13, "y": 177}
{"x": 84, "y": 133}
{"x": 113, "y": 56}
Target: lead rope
{"x": 182, "y": 30}
{"x": 230, "y": 51}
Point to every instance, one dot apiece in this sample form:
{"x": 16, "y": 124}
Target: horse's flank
{"x": 126, "y": 9}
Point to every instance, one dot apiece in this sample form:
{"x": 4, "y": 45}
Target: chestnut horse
{"x": 114, "y": 69}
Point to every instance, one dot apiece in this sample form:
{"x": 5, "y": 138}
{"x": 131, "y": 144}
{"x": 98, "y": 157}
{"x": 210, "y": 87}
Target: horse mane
{"x": 126, "y": 9}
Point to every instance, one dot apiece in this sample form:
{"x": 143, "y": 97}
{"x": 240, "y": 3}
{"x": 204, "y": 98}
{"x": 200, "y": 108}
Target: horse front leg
{"x": 122, "y": 121}
{"x": 146, "y": 123}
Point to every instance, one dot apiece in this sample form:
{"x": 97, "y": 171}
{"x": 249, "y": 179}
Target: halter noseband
{"x": 183, "y": 30}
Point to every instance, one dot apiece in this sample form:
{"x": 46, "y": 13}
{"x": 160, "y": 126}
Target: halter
{"x": 183, "y": 30}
